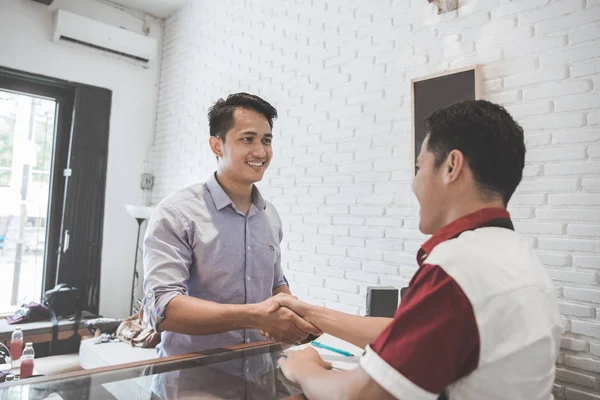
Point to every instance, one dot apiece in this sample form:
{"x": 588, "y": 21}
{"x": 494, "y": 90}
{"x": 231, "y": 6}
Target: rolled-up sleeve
{"x": 275, "y": 219}
{"x": 167, "y": 260}
{"x": 279, "y": 279}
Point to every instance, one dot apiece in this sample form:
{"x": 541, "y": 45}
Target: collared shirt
{"x": 480, "y": 319}
{"x": 198, "y": 244}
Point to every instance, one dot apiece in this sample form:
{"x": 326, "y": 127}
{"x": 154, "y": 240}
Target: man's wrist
{"x": 308, "y": 371}
{"x": 312, "y": 313}
{"x": 252, "y": 316}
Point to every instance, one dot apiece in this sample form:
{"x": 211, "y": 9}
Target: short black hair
{"x": 491, "y": 141}
{"x": 220, "y": 115}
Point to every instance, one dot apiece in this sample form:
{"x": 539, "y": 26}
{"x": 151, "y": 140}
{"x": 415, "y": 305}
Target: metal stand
{"x": 140, "y": 221}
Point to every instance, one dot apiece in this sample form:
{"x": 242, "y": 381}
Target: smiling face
{"x": 246, "y": 152}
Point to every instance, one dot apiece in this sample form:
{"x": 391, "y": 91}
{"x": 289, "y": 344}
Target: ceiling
{"x": 157, "y": 8}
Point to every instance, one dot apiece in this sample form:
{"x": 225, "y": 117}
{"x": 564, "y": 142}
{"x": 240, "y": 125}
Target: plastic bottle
{"x": 27, "y": 361}
{"x": 16, "y": 347}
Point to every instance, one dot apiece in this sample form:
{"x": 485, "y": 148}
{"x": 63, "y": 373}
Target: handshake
{"x": 284, "y": 318}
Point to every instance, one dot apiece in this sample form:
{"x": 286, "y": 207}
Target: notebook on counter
{"x": 338, "y": 361}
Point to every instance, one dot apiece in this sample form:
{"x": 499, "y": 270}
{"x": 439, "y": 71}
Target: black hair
{"x": 491, "y": 141}
{"x": 220, "y": 115}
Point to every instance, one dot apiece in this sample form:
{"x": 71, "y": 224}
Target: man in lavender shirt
{"x": 212, "y": 257}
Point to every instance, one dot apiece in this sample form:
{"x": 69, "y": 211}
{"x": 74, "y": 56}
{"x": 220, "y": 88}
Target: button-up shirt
{"x": 198, "y": 244}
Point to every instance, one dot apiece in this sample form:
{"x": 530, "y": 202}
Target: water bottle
{"x": 16, "y": 347}
{"x": 27, "y": 361}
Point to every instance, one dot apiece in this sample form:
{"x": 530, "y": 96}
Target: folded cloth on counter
{"x": 31, "y": 312}
{"x": 98, "y": 326}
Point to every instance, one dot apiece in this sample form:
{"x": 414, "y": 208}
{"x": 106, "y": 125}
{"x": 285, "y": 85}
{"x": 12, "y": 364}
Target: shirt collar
{"x": 458, "y": 226}
{"x": 257, "y": 198}
{"x": 222, "y": 200}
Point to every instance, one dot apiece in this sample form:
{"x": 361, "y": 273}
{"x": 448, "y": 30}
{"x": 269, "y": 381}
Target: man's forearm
{"x": 320, "y": 384}
{"x": 354, "y": 329}
{"x": 193, "y": 316}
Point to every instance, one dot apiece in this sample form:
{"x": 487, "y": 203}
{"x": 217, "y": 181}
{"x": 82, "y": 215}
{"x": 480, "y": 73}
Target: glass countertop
{"x": 242, "y": 372}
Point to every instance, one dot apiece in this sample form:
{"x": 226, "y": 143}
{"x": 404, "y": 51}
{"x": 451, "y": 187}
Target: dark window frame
{"x": 66, "y": 94}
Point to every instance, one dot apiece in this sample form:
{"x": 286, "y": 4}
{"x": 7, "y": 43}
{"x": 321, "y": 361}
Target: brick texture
{"x": 339, "y": 73}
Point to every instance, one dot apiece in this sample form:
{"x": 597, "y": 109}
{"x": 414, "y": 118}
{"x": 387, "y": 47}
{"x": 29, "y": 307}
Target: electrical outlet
{"x": 147, "y": 181}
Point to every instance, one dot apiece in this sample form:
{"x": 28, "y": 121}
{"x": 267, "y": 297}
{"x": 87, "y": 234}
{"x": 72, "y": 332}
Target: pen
{"x": 335, "y": 350}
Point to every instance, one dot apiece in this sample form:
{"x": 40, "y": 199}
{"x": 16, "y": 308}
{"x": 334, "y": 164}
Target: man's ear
{"x": 453, "y": 166}
{"x": 216, "y": 145}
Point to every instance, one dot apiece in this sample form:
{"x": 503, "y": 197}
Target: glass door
{"x": 27, "y": 137}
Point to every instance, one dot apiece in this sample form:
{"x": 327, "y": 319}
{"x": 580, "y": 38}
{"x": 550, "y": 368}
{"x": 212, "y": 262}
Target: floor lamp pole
{"x": 140, "y": 221}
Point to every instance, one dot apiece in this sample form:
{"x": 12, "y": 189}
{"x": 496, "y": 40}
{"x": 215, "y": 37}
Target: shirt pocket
{"x": 265, "y": 255}
{"x": 269, "y": 253}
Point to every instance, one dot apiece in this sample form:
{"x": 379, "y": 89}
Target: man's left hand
{"x": 301, "y": 361}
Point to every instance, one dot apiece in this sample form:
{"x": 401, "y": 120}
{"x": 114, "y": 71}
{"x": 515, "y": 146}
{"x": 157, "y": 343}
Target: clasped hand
{"x": 286, "y": 319}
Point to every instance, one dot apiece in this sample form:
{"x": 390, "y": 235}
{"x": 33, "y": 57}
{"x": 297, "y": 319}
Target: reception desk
{"x": 242, "y": 372}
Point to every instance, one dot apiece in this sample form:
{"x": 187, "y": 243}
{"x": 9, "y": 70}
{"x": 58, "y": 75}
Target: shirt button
{"x": 249, "y": 247}
{"x": 248, "y": 278}
{"x": 149, "y": 295}
{"x": 248, "y": 340}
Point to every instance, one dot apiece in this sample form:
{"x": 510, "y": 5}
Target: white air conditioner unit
{"x": 75, "y": 28}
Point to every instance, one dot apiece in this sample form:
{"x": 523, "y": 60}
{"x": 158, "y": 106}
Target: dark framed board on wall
{"x": 432, "y": 92}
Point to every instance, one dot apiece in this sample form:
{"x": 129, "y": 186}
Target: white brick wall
{"x": 339, "y": 73}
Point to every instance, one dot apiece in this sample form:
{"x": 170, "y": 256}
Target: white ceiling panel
{"x": 157, "y": 8}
